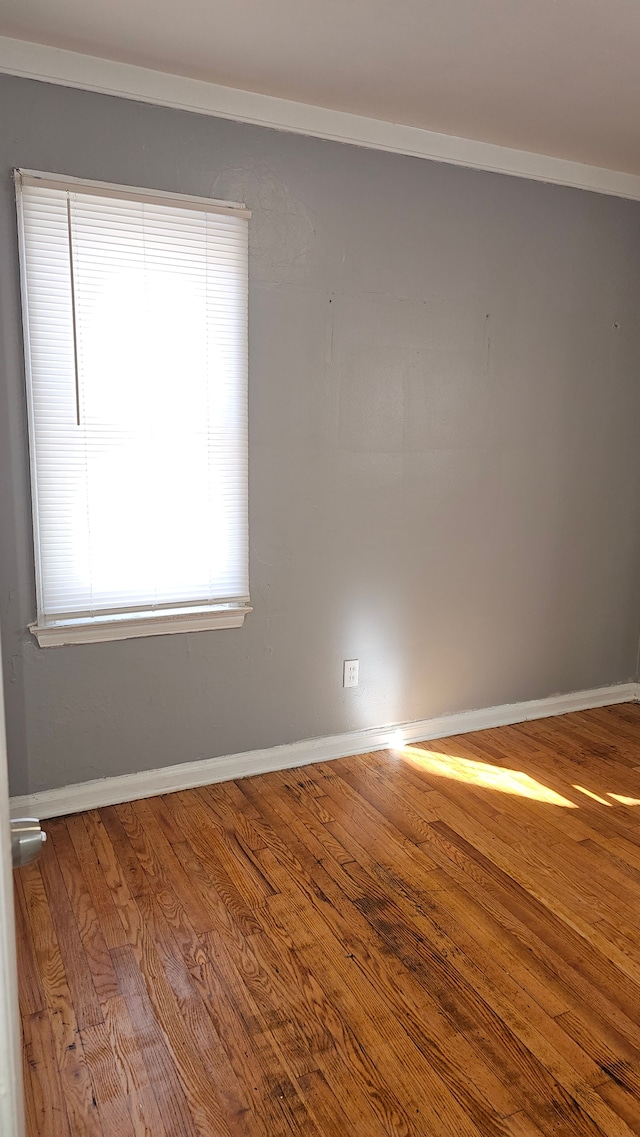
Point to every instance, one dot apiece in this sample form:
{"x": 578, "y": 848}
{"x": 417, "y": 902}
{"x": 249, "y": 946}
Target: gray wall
{"x": 445, "y": 472}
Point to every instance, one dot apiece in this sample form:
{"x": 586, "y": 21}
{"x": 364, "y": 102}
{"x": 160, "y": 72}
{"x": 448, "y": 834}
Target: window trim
{"x": 56, "y": 632}
{"x": 99, "y": 629}
{"x": 130, "y": 193}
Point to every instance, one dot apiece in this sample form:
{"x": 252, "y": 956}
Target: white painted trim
{"x": 129, "y": 787}
{"x": 130, "y": 193}
{"x": 11, "y": 1093}
{"x": 71, "y": 69}
{"x": 121, "y": 627}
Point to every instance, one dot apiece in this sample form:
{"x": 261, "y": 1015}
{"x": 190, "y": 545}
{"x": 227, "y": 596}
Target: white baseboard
{"x": 127, "y": 787}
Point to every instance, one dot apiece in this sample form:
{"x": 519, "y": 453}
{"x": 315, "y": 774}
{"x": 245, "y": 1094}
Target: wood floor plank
{"x": 553, "y": 892}
{"x": 61, "y": 1020}
{"x": 273, "y": 1041}
{"x": 129, "y": 1056}
{"x": 133, "y": 872}
{"x": 342, "y": 1026}
{"x": 269, "y": 1014}
{"x": 479, "y": 1001}
{"x": 570, "y": 766}
{"x": 82, "y": 992}
{"x": 252, "y": 1052}
{"x": 339, "y": 993}
{"x": 228, "y": 847}
{"x": 323, "y": 1104}
{"x": 32, "y": 1116}
{"x": 199, "y": 829}
{"x": 231, "y": 1095}
{"x": 505, "y": 952}
{"x": 439, "y": 941}
{"x": 159, "y": 863}
{"x": 30, "y": 991}
{"x": 94, "y": 945}
{"x": 445, "y": 1048}
{"x": 46, "y": 1111}
{"x": 623, "y": 1103}
{"x": 164, "y": 821}
{"x": 111, "y": 867}
{"x": 428, "y": 1035}
{"x": 110, "y": 1093}
{"x": 583, "y": 970}
{"x": 193, "y": 1069}
{"x": 102, "y": 888}
{"x": 153, "y": 1045}
{"x": 532, "y": 1048}
{"x": 551, "y": 1059}
{"x": 165, "y": 876}
{"x": 542, "y": 983}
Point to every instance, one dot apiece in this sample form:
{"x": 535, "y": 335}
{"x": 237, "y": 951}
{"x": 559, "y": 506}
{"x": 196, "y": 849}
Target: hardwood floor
{"x": 439, "y": 940}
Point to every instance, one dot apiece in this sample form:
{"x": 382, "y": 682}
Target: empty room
{"x": 320, "y": 568}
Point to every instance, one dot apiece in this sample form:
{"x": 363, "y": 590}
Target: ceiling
{"x": 558, "y": 77}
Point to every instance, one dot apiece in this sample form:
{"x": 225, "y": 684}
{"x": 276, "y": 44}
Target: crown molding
{"x": 123, "y": 80}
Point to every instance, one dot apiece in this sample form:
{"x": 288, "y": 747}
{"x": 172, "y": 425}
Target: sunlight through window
{"x": 137, "y": 379}
{"x": 484, "y": 775}
{"x": 594, "y": 797}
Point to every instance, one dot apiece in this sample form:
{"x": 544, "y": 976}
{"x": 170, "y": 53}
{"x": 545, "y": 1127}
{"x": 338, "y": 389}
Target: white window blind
{"x": 135, "y": 311}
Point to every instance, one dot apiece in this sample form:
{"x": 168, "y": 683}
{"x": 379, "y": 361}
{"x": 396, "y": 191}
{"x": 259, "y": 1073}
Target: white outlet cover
{"x": 350, "y": 672}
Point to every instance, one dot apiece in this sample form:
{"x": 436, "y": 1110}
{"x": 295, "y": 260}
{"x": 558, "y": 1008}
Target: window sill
{"x": 126, "y": 627}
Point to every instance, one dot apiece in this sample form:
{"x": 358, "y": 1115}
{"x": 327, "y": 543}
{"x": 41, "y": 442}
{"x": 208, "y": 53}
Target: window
{"x": 135, "y": 318}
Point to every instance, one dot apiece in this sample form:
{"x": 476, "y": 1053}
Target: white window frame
{"x": 50, "y": 631}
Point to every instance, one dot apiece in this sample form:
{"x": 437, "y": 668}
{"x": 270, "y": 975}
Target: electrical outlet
{"x": 350, "y": 672}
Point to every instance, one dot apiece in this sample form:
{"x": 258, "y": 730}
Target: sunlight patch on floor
{"x": 484, "y": 775}
{"x": 595, "y": 797}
